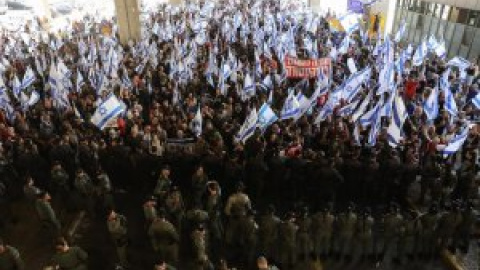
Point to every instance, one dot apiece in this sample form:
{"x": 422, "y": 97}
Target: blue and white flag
{"x": 375, "y": 127}
{"x": 431, "y": 105}
{"x": 291, "y": 107}
{"x": 369, "y": 117}
{"x": 266, "y": 117}
{"x": 28, "y": 78}
{"x": 420, "y": 54}
{"x": 270, "y": 97}
{"x": 399, "y": 115}
{"x": 248, "y": 87}
{"x": 343, "y": 49}
{"x": 248, "y": 127}
{"x": 476, "y": 101}
{"x": 34, "y": 98}
{"x": 197, "y": 122}
{"x": 440, "y": 50}
{"x": 80, "y": 82}
{"x": 432, "y": 43}
{"x": 107, "y": 111}
{"x": 363, "y": 106}
{"x": 400, "y": 32}
{"x": 450, "y": 104}
{"x": 16, "y": 87}
{"x": 267, "y": 83}
{"x": 349, "y": 22}
{"x": 353, "y": 84}
{"x": 348, "y": 109}
{"x": 459, "y": 62}
{"x": 456, "y": 142}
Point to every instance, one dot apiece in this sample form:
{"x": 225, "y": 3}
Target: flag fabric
{"x": 34, "y": 98}
{"x": 80, "y": 82}
{"x": 440, "y": 50}
{"x": 266, "y": 117}
{"x": 459, "y": 62}
{"x": 456, "y": 142}
{"x": 291, "y": 107}
{"x": 450, "y": 104}
{"x": 476, "y": 101}
{"x": 431, "y": 105}
{"x": 363, "y": 106}
{"x": 248, "y": 127}
{"x": 16, "y": 87}
{"x": 420, "y": 54}
{"x": 107, "y": 111}
{"x": 248, "y": 87}
{"x": 344, "y": 45}
{"x": 349, "y": 22}
{"x": 400, "y": 32}
{"x": 197, "y": 122}
{"x": 348, "y": 109}
{"x": 28, "y": 78}
{"x": 399, "y": 115}
{"x": 267, "y": 83}
{"x": 270, "y": 97}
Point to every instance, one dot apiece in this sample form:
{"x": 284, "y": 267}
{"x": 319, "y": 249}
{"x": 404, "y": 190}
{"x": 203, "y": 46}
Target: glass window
{"x": 419, "y": 22}
{"x": 446, "y": 12}
{"x": 412, "y": 6}
{"x": 473, "y": 16}
{"x": 468, "y": 36}
{"x": 430, "y": 8}
{"x": 438, "y": 11}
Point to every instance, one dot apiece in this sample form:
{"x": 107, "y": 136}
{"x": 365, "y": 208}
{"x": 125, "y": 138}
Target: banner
{"x": 308, "y": 68}
{"x": 355, "y": 6}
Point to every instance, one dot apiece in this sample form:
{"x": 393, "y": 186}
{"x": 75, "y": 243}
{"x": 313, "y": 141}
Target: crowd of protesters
{"x": 209, "y": 198}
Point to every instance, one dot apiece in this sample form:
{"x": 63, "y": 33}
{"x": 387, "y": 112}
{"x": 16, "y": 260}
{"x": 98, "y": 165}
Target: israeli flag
{"x": 431, "y": 105}
{"x": 270, "y": 97}
{"x": 16, "y": 87}
{"x": 248, "y": 127}
{"x": 369, "y": 117}
{"x": 363, "y": 106}
{"x": 375, "y": 127}
{"x": 450, "y": 104}
{"x": 476, "y": 101}
{"x": 432, "y": 43}
{"x": 248, "y": 87}
{"x": 80, "y": 82}
{"x": 348, "y": 109}
{"x": 326, "y": 110}
{"x": 34, "y": 98}
{"x": 266, "y": 117}
{"x": 267, "y": 83}
{"x": 459, "y": 62}
{"x": 343, "y": 49}
{"x": 291, "y": 107}
{"x": 350, "y": 22}
{"x": 400, "y": 32}
{"x": 107, "y": 111}
{"x": 305, "y": 105}
{"x": 440, "y": 50}
{"x": 197, "y": 122}
{"x": 420, "y": 54}
{"x": 457, "y": 142}
{"x": 353, "y": 85}
{"x": 28, "y": 78}
{"x": 399, "y": 116}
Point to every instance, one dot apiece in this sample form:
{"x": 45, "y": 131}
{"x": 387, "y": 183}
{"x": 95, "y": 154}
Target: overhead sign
{"x": 308, "y": 68}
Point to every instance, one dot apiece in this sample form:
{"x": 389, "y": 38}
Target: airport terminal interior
{"x": 239, "y": 134}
